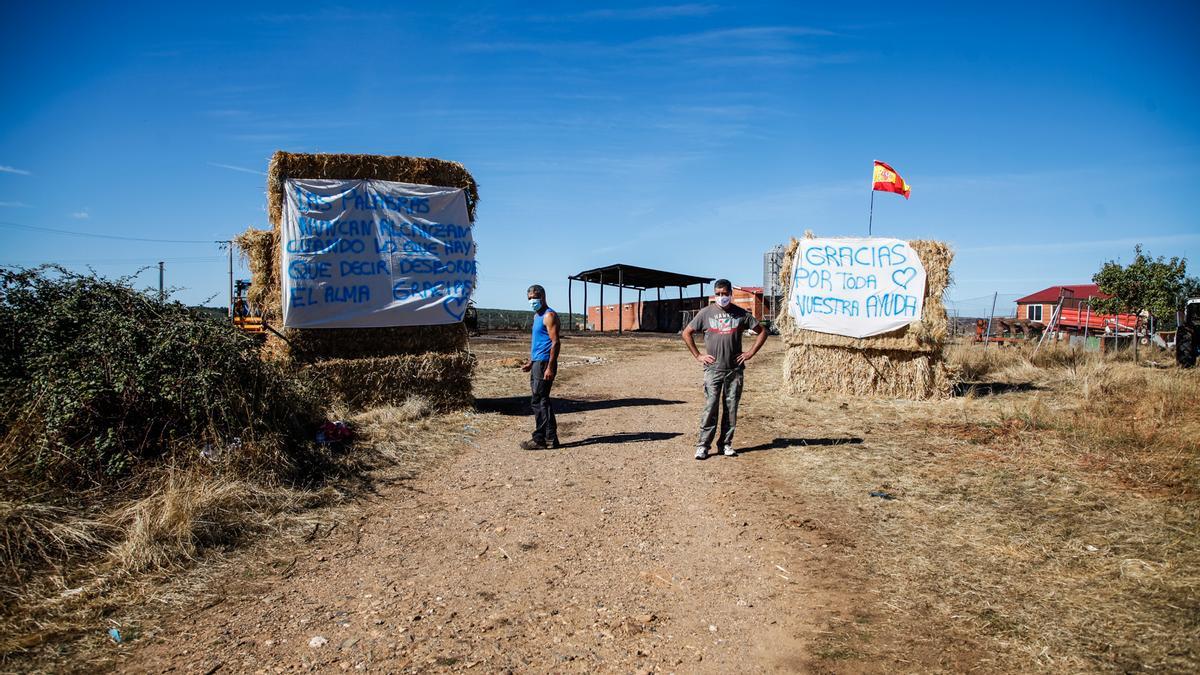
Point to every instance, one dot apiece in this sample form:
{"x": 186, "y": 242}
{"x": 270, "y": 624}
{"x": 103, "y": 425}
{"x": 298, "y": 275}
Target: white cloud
{"x": 81, "y": 214}
{"x": 15, "y": 205}
{"x": 231, "y": 167}
{"x": 12, "y": 169}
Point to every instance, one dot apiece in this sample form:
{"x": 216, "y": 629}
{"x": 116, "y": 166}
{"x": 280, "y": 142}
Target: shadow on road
{"x": 780, "y": 443}
{"x": 519, "y": 405}
{"x": 624, "y": 437}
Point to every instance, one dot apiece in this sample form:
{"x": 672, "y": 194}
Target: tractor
{"x": 1187, "y": 334}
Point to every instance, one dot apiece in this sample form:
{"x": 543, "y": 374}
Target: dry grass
{"x": 70, "y": 571}
{"x": 36, "y": 535}
{"x": 1053, "y": 528}
{"x": 79, "y": 564}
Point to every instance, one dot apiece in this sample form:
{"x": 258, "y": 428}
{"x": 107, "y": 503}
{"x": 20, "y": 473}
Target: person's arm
{"x": 758, "y": 343}
{"x": 691, "y": 345}
{"x": 550, "y": 320}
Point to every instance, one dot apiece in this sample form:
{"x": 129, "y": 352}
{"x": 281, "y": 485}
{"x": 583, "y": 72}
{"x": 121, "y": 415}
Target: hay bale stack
{"x": 442, "y": 379}
{"x": 905, "y": 363}
{"x": 360, "y": 366}
{"x": 420, "y": 170}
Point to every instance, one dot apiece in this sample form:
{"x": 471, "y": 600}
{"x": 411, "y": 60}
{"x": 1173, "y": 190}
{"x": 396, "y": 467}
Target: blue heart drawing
{"x": 459, "y": 304}
{"x": 904, "y": 276}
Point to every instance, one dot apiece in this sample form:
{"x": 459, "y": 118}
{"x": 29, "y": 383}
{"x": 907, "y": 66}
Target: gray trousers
{"x": 722, "y": 387}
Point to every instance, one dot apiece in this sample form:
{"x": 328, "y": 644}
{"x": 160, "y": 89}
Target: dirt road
{"x": 616, "y": 552}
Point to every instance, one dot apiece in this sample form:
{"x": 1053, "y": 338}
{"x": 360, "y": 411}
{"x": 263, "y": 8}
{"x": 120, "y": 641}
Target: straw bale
{"x": 310, "y": 345}
{"x": 260, "y": 249}
{"x": 927, "y": 335}
{"x": 444, "y": 380}
{"x": 421, "y": 170}
{"x": 875, "y": 373}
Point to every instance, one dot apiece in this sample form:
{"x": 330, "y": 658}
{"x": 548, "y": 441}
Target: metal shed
{"x": 634, "y": 277}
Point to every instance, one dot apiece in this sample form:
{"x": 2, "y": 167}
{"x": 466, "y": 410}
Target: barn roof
{"x": 641, "y": 278}
{"x": 1076, "y": 291}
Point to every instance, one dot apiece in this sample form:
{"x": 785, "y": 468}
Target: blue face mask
{"x": 535, "y": 304}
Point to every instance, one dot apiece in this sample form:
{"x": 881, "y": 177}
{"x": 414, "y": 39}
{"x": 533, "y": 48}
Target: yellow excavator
{"x": 244, "y": 316}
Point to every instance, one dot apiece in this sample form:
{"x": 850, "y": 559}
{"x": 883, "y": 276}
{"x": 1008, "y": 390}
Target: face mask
{"x": 724, "y": 300}
{"x": 535, "y": 303}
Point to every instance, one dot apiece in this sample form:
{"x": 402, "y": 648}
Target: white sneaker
{"x": 701, "y": 452}
{"x": 729, "y": 451}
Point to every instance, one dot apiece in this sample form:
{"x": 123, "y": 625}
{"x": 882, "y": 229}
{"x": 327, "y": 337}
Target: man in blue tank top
{"x": 542, "y": 367}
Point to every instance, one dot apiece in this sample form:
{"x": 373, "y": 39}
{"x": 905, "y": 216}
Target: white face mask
{"x": 724, "y": 300}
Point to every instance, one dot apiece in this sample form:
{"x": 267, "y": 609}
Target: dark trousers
{"x": 722, "y": 389}
{"x": 546, "y": 431}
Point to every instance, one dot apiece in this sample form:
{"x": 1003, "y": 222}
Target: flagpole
{"x": 871, "y": 218}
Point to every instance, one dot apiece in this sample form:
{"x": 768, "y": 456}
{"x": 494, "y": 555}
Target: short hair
{"x": 537, "y": 290}
{"x": 723, "y": 283}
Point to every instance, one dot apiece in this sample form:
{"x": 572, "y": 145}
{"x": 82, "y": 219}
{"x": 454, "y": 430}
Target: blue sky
{"x": 692, "y": 137}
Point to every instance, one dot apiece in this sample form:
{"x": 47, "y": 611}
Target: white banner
{"x": 856, "y": 287}
{"x": 372, "y": 253}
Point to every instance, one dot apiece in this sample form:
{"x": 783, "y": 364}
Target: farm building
{"x": 670, "y": 314}
{"x": 1076, "y": 315}
{"x": 749, "y": 298}
{"x": 661, "y": 314}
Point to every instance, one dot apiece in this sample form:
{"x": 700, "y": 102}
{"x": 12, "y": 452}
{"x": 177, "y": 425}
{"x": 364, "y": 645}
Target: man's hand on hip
{"x": 744, "y": 357}
{"x": 706, "y": 359}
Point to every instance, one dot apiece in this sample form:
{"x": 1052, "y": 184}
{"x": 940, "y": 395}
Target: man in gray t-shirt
{"x": 722, "y": 324}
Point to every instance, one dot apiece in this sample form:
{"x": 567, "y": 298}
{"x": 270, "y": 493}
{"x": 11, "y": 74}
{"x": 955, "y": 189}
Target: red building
{"x": 749, "y": 298}
{"x": 1076, "y": 309}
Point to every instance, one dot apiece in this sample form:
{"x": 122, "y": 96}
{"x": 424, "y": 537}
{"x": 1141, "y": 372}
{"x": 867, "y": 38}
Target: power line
{"x": 4, "y": 223}
{"x": 112, "y": 261}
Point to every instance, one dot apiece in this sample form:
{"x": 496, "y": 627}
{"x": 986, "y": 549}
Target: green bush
{"x": 98, "y": 376}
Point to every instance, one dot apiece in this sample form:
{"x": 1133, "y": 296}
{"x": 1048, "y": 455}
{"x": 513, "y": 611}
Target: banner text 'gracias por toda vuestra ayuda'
{"x": 856, "y": 287}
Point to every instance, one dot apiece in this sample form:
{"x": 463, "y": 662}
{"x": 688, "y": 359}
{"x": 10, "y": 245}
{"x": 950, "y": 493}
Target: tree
{"x": 1156, "y": 286}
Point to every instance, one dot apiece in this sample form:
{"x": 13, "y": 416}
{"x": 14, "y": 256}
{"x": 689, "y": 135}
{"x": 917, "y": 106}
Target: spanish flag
{"x": 887, "y": 180}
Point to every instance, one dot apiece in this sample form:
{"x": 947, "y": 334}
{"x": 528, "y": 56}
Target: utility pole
{"x": 229, "y": 243}
{"x": 988, "y": 336}
{"x": 161, "y": 297}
